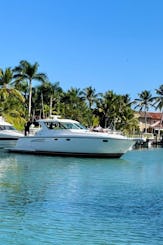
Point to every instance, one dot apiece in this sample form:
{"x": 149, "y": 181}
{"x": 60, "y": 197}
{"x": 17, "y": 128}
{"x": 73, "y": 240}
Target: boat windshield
{"x": 64, "y": 125}
{"x": 6, "y": 127}
{"x": 73, "y": 125}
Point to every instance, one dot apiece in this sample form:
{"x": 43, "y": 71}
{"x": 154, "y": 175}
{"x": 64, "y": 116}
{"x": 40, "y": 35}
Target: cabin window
{"x": 54, "y": 125}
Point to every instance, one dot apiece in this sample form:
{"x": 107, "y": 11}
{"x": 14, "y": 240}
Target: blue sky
{"x": 107, "y": 44}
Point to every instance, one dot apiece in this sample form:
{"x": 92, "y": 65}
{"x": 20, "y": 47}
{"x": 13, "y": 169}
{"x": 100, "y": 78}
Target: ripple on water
{"x": 54, "y": 200}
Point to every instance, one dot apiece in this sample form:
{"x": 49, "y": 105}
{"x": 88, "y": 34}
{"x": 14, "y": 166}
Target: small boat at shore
{"x": 8, "y": 134}
{"x": 66, "y": 137}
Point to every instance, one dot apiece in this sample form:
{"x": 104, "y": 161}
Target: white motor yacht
{"x": 66, "y": 137}
{"x": 8, "y": 134}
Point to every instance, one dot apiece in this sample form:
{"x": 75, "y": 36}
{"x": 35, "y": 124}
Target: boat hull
{"x": 7, "y": 142}
{"x": 69, "y": 154}
{"x": 74, "y": 146}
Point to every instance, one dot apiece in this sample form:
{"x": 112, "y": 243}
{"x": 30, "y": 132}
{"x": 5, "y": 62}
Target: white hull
{"x": 74, "y": 146}
{"x": 8, "y": 134}
{"x": 7, "y": 143}
{"x": 65, "y": 137}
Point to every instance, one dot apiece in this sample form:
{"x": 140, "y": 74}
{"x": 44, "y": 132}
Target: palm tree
{"x": 6, "y": 77}
{"x": 6, "y": 89}
{"x": 126, "y": 120}
{"x": 27, "y": 71}
{"x": 50, "y": 94}
{"x": 90, "y": 95}
{"x": 159, "y": 101}
{"x": 107, "y": 109}
{"x": 11, "y": 100}
{"x": 73, "y": 105}
{"x": 22, "y": 87}
{"x": 144, "y": 102}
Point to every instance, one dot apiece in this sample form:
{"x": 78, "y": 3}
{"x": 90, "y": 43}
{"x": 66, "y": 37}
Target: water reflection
{"x": 27, "y": 180}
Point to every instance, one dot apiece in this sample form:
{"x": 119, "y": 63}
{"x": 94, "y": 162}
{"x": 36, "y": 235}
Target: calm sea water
{"x": 72, "y": 201}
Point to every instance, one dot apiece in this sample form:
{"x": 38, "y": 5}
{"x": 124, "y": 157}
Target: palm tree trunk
{"x": 145, "y": 122}
{"x": 42, "y": 102}
{"x": 51, "y": 101}
{"x": 30, "y": 98}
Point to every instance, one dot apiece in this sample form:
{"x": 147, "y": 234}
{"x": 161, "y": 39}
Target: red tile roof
{"x": 152, "y": 115}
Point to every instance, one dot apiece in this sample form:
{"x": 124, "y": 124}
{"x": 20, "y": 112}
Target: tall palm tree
{"x": 90, "y": 95}
{"x": 144, "y": 102}
{"x": 50, "y": 93}
{"x": 29, "y": 72}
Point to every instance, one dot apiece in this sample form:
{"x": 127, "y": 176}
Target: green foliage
{"x": 19, "y": 99}
{"x": 159, "y": 98}
{"x": 28, "y": 72}
{"x": 15, "y": 119}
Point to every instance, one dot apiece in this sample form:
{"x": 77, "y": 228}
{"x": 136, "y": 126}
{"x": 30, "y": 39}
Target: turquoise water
{"x": 71, "y": 201}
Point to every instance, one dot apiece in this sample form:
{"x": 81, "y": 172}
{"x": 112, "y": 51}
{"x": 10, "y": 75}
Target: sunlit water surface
{"x": 71, "y": 201}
